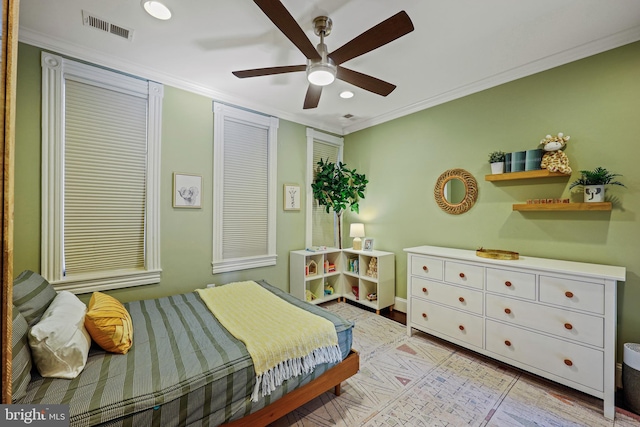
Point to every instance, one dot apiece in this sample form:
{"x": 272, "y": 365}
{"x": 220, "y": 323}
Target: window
{"x": 244, "y": 195}
{"x": 100, "y": 177}
{"x": 321, "y": 226}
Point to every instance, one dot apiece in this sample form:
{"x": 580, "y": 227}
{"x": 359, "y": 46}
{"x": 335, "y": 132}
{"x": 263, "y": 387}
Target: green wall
{"x": 187, "y": 146}
{"x": 595, "y": 100}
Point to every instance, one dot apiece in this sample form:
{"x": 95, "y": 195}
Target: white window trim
{"x": 314, "y": 135}
{"x": 54, "y": 71}
{"x": 222, "y": 111}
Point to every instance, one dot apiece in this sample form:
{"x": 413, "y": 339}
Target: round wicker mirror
{"x": 456, "y": 191}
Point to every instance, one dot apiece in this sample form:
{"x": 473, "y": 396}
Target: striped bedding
{"x": 184, "y": 369}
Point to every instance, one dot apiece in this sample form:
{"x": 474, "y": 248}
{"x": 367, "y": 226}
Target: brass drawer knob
{"x": 461, "y": 327}
{"x": 507, "y": 284}
{"x": 507, "y": 310}
{"x": 424, "y": 290}
{"x": 568, "y": 326}
{"x": 507, "y": 343}
{"x": 568, "y": 294}
{"x": 425, "y": 268}
{"x": 461, "y": 299}
{"x": 462, "y": 275}
{"x": 568, "y": 362}
{"x": 424, "y": 315}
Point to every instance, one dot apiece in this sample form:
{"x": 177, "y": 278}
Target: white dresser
{"x": 553, "y": 318}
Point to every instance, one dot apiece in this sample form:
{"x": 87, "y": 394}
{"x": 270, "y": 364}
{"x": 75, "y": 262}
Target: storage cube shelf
{"x": 366, "y": 277}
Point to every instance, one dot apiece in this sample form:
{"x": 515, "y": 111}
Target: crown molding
{"x": 81, "y": 53}
{"x": 622, "y": 38}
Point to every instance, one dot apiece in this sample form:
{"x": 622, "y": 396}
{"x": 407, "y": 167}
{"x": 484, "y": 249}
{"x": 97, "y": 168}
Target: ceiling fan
{"x": 323, "y": 67}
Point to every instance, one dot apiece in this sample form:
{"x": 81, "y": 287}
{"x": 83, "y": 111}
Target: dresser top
{"x": 546, "y": 264}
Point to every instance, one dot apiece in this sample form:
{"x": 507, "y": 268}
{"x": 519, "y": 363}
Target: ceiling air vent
{"x": 91, "y": 20}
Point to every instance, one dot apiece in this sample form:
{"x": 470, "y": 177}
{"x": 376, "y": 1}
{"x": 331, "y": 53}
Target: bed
{"x": 184, "y": 369}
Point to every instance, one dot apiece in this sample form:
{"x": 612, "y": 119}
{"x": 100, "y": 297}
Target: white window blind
{"x": 246, "y": 191}
{"x": 101, "y": 134}
{"x": 245, "y": 174}
{"x": 104, "y": 179}
{"x": 323, "y": 223}
{"x": 320, "y": 225}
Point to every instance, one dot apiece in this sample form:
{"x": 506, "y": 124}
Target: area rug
{"x": 423, "y": 381}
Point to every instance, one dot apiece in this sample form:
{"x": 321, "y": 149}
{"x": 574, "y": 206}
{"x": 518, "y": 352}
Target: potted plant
{"x": 496, "y": 159}
{"x": 336, "y": 187}
{"x": 593, "y": 182}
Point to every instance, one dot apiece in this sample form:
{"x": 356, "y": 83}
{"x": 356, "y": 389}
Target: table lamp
{"x": 357, "y": 231}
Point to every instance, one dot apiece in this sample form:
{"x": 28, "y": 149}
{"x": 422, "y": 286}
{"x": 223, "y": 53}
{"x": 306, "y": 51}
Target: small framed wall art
{"x": 367, "y": 244}
{"x": 187, "y": 190}
{"x": 291, "y": 197}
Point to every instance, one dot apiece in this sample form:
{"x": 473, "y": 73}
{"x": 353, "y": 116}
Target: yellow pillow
{"x": 109, "y": 323}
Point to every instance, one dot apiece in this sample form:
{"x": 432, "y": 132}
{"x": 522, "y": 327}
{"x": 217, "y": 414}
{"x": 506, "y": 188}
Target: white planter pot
{"x": 497, "y": 167}
{"x": 593, "y": 193}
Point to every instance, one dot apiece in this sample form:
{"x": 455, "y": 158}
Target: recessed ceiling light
{"x": 156, "y": 9}
{"x": 346, "y": 94}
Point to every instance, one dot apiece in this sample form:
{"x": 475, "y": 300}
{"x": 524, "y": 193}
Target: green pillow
{"x": 21, "y": 357}
{"x": 32, "y": 294}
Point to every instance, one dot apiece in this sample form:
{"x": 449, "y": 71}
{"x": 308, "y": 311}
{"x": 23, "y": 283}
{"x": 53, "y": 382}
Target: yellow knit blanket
{"x": 283, "y": 340}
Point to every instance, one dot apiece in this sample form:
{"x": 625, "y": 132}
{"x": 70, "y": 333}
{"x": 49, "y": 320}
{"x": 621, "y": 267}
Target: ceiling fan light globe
{"x": 321, "y": 77}
{"x": 156, "y": 9}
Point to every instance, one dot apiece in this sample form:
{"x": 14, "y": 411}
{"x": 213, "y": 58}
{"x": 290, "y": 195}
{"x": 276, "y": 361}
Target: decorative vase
{"x": 497, "y": 167}
{"x": 593, "y": 193}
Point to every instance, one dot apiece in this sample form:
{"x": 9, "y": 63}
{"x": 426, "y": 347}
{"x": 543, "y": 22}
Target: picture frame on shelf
{"x": 291, "y": 197}
{"x": 187, "y": 190}
{"x": 367, "y": 244}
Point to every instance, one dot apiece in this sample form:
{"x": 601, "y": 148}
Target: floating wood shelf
{"x": 509, "y": 176}
{"x": 600, "y": 206}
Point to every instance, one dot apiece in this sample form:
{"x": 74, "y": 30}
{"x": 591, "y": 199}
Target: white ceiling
{"x": 458, "y": 47}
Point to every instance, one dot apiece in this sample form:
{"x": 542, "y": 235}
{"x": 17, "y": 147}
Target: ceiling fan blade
{"x": 282, "y": 19}
{"x": 257, "y": 72}
{"x": 312, "y": 98}
{"x": 386, "y": 31}
{"x": 365, "y": 81}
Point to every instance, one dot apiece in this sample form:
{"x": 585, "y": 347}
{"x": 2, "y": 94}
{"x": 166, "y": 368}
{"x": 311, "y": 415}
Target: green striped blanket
{"x": 184, "y": 368}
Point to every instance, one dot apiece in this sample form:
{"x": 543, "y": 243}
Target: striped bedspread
{"x": 183, "y": 367}
{"x": 283, "y": 340}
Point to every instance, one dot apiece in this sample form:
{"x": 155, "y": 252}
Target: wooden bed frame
{"x": 298, "y": 397}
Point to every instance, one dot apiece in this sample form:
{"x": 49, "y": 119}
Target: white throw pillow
{"x": 59, "y": 341}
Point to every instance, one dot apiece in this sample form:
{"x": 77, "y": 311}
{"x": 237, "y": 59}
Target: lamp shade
{"x": 357, "y": 230}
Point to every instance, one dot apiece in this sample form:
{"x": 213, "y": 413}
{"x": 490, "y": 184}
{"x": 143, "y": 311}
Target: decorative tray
{"x": 497, "y": 254}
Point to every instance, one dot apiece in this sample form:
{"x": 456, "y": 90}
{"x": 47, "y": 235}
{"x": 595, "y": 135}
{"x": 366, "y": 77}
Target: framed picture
{"x": 367, "y": 245}
{"x": 291, "y": 197}
{"x": 187, "y": 190}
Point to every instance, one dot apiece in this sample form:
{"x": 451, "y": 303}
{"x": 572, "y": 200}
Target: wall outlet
{"x": 211, "y": 285}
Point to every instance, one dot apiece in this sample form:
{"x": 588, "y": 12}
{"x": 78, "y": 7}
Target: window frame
{"x": 55, "y": 71}
{"x": 223, "y": 112}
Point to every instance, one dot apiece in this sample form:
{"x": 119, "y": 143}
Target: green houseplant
{"x": 496, "y": 158}
{"x": 337, "y": 187}
{"x": 593, "y": 182}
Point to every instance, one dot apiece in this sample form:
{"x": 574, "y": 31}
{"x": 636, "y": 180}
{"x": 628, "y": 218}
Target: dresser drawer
{"x": 580, "y": 327}
{"x": 464, "y": 274}
{"x": 453, "y": 296}
{"x": 511, "y": 283}
{"x": 574, "y": 294}
{"x": 567, "y": 360}
{"x": 465, "y": 327}
{"x": 430, "y": 268}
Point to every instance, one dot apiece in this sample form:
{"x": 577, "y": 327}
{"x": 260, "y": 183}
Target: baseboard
{"x": 400, "y": 305}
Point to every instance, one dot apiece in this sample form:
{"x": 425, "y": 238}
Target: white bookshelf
{"x": 375, "y": 275}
